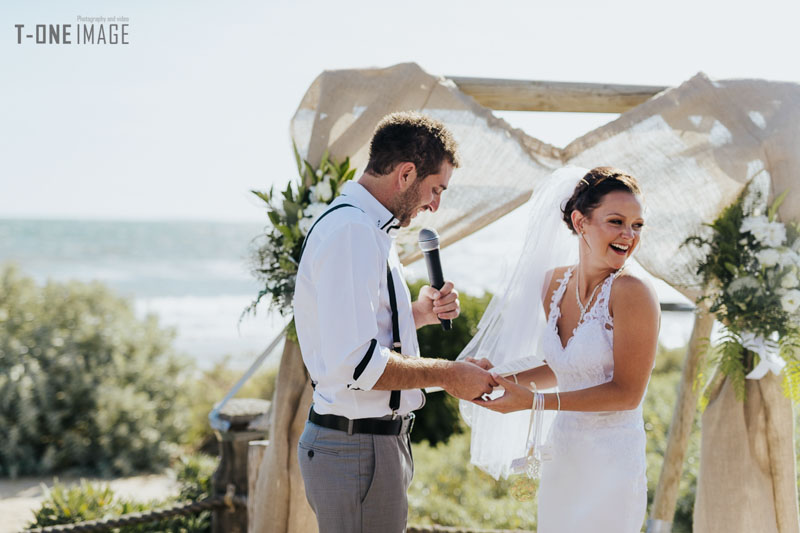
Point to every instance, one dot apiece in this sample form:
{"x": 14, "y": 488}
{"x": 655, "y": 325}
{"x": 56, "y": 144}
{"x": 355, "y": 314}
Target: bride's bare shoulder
{"x": 551, "y": 281}
{"x": 557, "y": 271}
{"x": 555, "y": 275}
{"x": 631, "y": 290}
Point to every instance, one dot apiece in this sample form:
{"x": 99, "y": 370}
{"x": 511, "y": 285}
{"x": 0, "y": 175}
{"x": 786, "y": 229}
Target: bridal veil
{"x": 510, "y": 331}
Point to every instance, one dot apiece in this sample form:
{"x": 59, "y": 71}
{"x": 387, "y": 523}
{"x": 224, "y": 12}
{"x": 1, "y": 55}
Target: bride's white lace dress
{"x": 596, "y": 479}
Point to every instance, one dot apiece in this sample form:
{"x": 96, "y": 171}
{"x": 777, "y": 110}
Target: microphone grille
{"x": 428, "y": 240}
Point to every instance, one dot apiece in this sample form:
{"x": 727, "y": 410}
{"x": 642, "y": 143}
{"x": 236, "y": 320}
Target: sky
{"x": 192, "y": 114}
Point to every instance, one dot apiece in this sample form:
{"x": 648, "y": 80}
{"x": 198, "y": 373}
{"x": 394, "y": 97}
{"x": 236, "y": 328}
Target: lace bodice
{"x": 587, "y": 359}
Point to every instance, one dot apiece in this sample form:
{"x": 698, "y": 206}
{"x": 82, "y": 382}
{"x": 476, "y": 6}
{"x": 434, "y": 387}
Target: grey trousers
{"x": 356, "y": 483}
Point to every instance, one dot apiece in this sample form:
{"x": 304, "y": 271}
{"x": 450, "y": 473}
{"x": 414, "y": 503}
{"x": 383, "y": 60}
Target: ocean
{"x": 195, "y": 275}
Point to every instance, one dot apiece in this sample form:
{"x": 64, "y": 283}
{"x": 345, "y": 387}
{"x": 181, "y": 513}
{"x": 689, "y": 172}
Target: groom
{"x": 356, "y": 325}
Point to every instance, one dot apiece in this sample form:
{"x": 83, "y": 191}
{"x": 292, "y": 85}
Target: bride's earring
{"x": 583, "y": 236}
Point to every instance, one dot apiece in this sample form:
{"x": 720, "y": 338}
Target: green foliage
{"x": 96, "y": 501}
{"x": 194, "y": 476}
{"x": 748, "y": 295}
{"x": 750, "y": 275}
{"x": 733, "y": 360}
{"x": 291, "y": 213}
{"x": 791, "y": 382}
{"x": 84, "y": 384}
{"x": 64, "y": 505}
{"x": 439, "y": 418}
{"x": 449, "y": 491}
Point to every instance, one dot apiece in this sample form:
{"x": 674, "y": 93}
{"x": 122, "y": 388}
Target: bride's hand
{"x": 482, "y": 362}
{"x": 515, "y": 398}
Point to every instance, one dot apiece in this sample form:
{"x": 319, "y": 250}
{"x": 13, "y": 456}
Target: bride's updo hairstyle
{"x": 593, "y": 186}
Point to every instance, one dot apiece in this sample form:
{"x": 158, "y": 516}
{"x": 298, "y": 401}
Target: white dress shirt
{"x": 342, "y": 310}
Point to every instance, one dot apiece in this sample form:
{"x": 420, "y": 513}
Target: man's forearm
{"x": 463, "y": 380}
{"x": 402, "y": 373}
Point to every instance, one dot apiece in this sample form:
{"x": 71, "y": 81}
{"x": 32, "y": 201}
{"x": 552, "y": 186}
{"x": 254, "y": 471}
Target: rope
{"x": 218, "y": 502}
{"x": 131, "y": 519}
{"x": 450, "y": 529}
{"x": 230, "y": 501}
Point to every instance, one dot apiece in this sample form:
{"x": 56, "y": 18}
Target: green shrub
{"x": 439, "y": 418}
{"x": 84, "y": 384}
{"x": 194, "y": 474}
{"x": 63, "y": 505}
{"x": 97, "y": 501}
{"x": 448, "y": 490}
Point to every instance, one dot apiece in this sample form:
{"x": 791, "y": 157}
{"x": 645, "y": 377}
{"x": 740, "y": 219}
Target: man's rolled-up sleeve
{"x": 347, "y": 276}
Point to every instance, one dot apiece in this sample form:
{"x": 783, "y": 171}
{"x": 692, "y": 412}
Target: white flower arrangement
{"x": 314, "y": 210}
{"x": 768, "y": 257}
{"x": 751, "y": 282}
{"x": 322, "y": 191}
{"x": 765, "y": 232}
{"x": 790, "y": 301}
{"x": 291, "y": 215}
{"x": 790, "y": 281}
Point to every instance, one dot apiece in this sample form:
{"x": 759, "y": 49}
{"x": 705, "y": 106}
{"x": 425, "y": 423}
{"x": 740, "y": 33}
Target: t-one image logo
{"x": 86, "y": 31}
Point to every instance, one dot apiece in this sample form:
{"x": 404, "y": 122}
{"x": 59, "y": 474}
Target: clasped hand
{"x": 515, "y": 396}
{"x": 469, "y": 380}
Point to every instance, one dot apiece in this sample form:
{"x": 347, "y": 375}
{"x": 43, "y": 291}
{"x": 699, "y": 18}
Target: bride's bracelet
{"x": 558, "y": 397}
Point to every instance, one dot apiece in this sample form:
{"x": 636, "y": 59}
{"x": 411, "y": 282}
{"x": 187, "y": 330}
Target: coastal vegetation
{"x": 85, "y": 386}
{"x": 88, "y": 388}
{"x": 97, "y": 501}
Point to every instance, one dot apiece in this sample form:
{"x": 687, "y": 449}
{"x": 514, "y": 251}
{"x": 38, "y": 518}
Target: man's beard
{"x": 407, "y": 204}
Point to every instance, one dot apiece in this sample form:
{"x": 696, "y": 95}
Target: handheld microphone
{"x": 429, "y": 244}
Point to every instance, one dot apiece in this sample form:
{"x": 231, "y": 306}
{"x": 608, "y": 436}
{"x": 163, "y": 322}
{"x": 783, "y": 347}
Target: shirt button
{"x": 310, "y": 454}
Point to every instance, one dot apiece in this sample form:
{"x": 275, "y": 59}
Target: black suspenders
{"x": 394, "y": 398}
{"x": 314, "y": 225}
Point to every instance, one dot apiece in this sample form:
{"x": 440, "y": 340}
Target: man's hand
{"x": 482, "y": 362}
{"x": 515, "y": 398}
{"x": 468, "y": 381}
{"x": 432, "y": 304}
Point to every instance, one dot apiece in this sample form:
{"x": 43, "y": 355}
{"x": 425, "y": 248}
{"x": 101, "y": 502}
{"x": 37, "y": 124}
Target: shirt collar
{"x": 382, "y": 217}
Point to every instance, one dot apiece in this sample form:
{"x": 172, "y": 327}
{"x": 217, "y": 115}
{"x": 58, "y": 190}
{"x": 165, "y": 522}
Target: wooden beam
{"x": 680, "y": 428}
{"x": 528, "y": 95}
{"x": 255, "y": 454}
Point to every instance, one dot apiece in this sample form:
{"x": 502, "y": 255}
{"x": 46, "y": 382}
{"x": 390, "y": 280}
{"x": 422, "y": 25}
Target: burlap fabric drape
{"x": 692, "y": 147}
{"x": 747, "y": 457}
{"x": 280, "y": 495}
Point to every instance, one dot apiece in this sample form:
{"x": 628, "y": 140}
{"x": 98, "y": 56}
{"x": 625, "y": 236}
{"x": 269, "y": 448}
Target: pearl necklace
{"x": 582, "y": 307}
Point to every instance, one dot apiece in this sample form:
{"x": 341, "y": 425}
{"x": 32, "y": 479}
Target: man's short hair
{"x": 411, "y": 137}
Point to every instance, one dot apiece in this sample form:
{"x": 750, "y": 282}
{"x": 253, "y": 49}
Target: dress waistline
{"x": 582, "y": 420}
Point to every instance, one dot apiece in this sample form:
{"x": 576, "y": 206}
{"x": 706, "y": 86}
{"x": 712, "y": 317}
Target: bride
{"x": 596, "y": 330}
